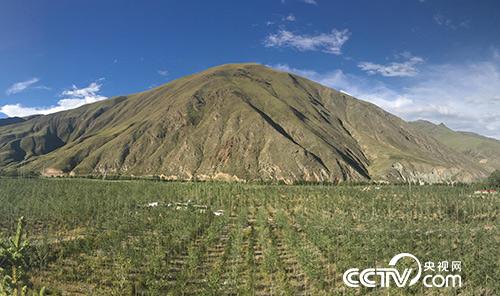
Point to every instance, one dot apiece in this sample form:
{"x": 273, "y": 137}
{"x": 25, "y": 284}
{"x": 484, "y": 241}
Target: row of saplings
{"x": 13, "y": 267}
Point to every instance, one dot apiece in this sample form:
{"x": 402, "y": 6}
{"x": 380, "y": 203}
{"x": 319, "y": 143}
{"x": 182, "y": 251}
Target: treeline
{"x": 492, "y": 181}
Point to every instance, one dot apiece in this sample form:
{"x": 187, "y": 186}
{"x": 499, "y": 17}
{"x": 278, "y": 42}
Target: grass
{"x": 95, "y": 237}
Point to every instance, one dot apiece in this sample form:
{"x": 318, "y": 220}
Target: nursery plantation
{"x": 141, "y": 237}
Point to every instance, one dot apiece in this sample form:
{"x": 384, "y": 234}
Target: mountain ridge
{"x": 237, "y": 122}
{"x": 483, "y": 150}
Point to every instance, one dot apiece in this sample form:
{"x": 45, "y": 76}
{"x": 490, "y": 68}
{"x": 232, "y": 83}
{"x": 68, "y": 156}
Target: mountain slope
{"x": 10, "y": 120}
{"x": 233, "y": 122}
{"x": 485, "y": 151}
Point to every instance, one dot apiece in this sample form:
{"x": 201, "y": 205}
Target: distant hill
{"x": 239, "y": 122}
{"x": 10, "y": 120}
{"x": 485, "y": 151}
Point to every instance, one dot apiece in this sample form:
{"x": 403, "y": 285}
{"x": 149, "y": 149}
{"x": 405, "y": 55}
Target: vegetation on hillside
{"x": 485, "y": 151}
{"x": 233, "y": 122}
{"x": 494, "y": 179}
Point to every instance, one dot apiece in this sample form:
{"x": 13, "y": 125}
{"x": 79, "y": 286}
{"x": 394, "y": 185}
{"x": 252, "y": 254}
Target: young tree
{"x": 13, "y": 254}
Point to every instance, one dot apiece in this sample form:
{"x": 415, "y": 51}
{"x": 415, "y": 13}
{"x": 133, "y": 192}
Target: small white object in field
{"x": 491, "y": 191}
{"x": 219, "y": 213}
{"x": 153, "y": 204}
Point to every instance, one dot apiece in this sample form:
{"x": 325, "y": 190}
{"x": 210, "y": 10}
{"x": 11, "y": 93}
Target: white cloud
{"x": 496, "y": 53}
{"x": 352, "y": 85}
{"x": 313, "y": 2}
{"x": 465, "y": 96}
{"x": 326, "y": 42}
{"x": 20, "y": 86}
{"x": 72, "y": 98}
{"x": 283, "y": 19}
{"x": 163, "y": 72}
{"x": 290, "y": 18}
{"x": 446, "y": 22}
{"x": 44, "y": 87}
{"x": 441, "y": 20}
{"x": 395, "y": 69}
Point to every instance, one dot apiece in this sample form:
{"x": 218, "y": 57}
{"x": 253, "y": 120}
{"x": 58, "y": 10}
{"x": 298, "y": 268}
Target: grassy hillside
{"x": 239, "y": 122}
{"x": 485, "y": 151}
{"x": 10, "y": 120}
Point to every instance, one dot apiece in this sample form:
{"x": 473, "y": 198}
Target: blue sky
{"x": 431, "y": 59}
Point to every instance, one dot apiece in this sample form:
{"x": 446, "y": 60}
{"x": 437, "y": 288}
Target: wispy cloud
{"x": 447, "y": 22}
{"x": 20, "y": 86}
{"x": 353, "y": 85}
{"x": 163, "y": 72}
{"x": 465, "y": 96}
{"x": 290, "y": 18}
{"x": 281, "y": 20}
{"x": 326, "y": 42}
{"x": 71, "y": 98}
{"x": 395, "y": 69}
{"x": 496, "y": 53}
{"x": 313, "y": 2}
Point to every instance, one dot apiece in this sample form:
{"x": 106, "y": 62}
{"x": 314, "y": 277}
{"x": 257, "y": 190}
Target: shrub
{"x": 13, "y": 254}
{"x": 494, "y": 178}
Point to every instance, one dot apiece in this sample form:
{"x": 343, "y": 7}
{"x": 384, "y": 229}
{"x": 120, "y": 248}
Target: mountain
{"x": 483, "y": 150}
{"x": 10, "y": 120}
{"x": 234, "y": 122}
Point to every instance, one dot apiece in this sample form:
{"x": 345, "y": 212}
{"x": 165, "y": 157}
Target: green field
{"x": 92, "y": 237}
